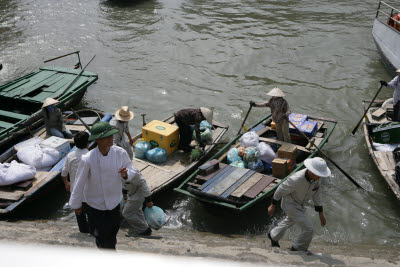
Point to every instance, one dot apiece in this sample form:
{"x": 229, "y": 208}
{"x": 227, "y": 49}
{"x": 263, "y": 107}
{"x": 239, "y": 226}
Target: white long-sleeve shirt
{"x": 71, "y": 165}
{"x": 395, "y": 84}
{"x": 297, "y": 190}
{"x": 98, "y": 180}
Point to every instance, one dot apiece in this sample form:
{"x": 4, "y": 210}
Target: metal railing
{"x": 78, "y": 65}
{"x": 392, "y": 9}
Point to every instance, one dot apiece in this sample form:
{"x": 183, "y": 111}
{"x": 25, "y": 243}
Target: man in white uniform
{"x": 98, "y": 181}
{"x": 395, "y": 84}
{"x": 295, "y": 192}
{"x": 70, "y": 167}
{"x": 122, "y": 118}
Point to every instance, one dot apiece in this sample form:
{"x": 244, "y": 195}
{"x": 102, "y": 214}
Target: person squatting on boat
{"x": 295, "y": 192}
{"x": 53, "y": 119}
{"x": 280, "y": 112}
{"x": 136, "y": 192}
{"x": 99, "y": 183}
{"x": 70, "y": 168}
{"x": 395, "y": 84}
{"x": 123, "y": 116}
{"x": 186, "y": 117}
{"x": 394, "y": 22}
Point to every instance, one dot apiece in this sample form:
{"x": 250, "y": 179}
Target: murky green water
{"x": 158, "y": 56}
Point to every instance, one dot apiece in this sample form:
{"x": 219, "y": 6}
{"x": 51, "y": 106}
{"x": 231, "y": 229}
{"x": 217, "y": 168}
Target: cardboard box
{"x": 309, "y": 128}
{"x": 387, "y": 133}
{"x": 279, "y": 168}
{"x": 295, "y": 117}
{"x": 377, "y": 114}
{"x": 59, "y": 144}
{"x": 298, "y": 125}
{"x": 165, "y": 134}
{"x": 287, "y": 151}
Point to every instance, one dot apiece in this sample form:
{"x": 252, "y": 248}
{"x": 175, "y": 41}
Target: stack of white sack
{"x": 265, "y": 153}
{"x": 14, "y": 172}
{"x": 41, "y": 158}
{"x": 249, "y": 139}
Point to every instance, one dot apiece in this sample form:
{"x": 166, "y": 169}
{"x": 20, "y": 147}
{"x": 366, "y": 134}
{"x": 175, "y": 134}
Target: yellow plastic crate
{"x": 166, "y": 135}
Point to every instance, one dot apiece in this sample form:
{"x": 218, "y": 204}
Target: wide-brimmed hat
{"x": 50, "y": 101}
{"x": 317, "y": 166}
{"x": 276, "y": 92}
{"x": 101, "y": 129}
{"x": 124, "y": 114}
{"x": 208, "y": 114}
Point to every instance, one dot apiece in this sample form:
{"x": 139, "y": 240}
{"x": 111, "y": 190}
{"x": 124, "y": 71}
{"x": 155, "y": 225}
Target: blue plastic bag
{"x": 157, "y": 155}
{"x": 233, "y": 155}
{"x": 257, "y": 166}
{"x": 141, "y": 148}
{"x": 239, "y": 164}
{"x": 205, "y": 125}
{"x": 155, "y": 217}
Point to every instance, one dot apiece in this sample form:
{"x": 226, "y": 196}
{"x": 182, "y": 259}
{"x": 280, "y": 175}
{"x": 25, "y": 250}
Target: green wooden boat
{"x": 21, "y": 99}
{"x": 238, "y": 189}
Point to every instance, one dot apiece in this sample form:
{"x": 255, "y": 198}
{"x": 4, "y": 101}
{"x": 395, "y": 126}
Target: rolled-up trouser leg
{"x": 134, "y": 215}
{"x": 282, "y": 132}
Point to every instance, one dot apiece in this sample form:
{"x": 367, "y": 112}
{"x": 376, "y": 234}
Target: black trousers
{"x": 84, "y": 224}
{"x": 396, "y": 110}
{"x": 185, "y": 134}
{"x": 106, "y": 225}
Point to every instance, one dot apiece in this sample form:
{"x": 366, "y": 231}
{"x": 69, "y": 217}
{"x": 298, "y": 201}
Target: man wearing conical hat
{"x": 280, "y": 113}
{"x": 122, "y": 118}
{"x": 395, "y": 85}
{"x": 295, "y": 193}
{"x": 191, "y": 116}
{"x": 53, "y": 119}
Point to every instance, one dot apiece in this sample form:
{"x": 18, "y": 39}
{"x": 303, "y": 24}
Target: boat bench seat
{"x": 13, "y": 115}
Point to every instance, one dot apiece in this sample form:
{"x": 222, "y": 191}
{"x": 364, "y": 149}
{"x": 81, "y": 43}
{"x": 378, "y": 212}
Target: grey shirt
{"x": 53, "y": 120}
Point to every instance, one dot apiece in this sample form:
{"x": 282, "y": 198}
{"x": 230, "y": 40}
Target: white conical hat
{"x": 317, "y": 166}
{"x": 124, "y": 114}
{"x": 398, "y": 71}
{"x": 50, "y": 101}
{"x": 208, "y": 114}
{"x": 276, "y": 92}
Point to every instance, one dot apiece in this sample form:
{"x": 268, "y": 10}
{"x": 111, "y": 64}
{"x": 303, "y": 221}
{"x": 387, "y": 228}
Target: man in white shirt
{"x": 70, "y": 167}
{"x": 295, "y": 192}
{"x": 395, "y": 84}
{"x": 99, "y": 183}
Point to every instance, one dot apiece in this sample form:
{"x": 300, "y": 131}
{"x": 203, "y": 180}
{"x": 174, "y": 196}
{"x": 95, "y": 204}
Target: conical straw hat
{"x": 50, "y": 101}
{"x": 398, "y": 71}
{"x": 208, "y": 114}
{"x": 124, "y": 114}
{"x": 276, "y": 92}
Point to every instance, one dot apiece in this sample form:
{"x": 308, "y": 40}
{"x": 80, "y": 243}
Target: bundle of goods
{"x": 40, "y": 158}
{"x": 161, "y": 134}
{"x": 286, "y": 161}
{"x": 14, "y": 172}
{"x": 156, "y": 155}
{"x": 308, "y": 127}
{"x": 205, "y": 132}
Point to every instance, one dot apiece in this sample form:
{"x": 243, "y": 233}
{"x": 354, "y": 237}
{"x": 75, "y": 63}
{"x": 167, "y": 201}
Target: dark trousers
{"x": 106, "y": 225}
{"x": 185, "y": 134}
{"x": 84, "y": 224}
{"x": 396, "y": 110}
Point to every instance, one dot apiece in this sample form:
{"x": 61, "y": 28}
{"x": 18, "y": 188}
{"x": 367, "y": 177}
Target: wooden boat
{"x": 161, "y": 176}
{"x": 14, "y": 196}
{"x": 384, "y": 160}
{"x": 387, "y": 39}
{"x": 22, "y": 99}
{"x": 238, "y": 189}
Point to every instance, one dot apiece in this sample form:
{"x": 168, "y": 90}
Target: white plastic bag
{"x": 249, "y": 139}
{"x": 265, "y": 153}
{"x": 38, "y": 157}
{"x": 14, "y": 172}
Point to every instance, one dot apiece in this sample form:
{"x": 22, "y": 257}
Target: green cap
{"x": 100, "y": 130}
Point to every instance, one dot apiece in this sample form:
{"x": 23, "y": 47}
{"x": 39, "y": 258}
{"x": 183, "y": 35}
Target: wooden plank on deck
{"x": 207, "y": 177}
{"x": 11, "y": 195}
{"x": 140, "y": 165}
{"x": 259, "y": 186}
{"x": 247, "y": 185}
{"x": 220, "y": 178}
{"x": 238, "y": 183}
{"x": 222, "y": 186}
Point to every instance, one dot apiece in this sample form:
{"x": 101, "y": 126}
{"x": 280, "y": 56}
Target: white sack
{"x": 249, "y": 139}
{"x": 14, "y": 172}
{"x": 265, "y": 153}
{"x": 384, "y": 147}
{"x": 38, "y": 157}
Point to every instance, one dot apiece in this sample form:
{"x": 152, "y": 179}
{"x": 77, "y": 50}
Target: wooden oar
{"x": 245, "y": 118}
{"x": 334, "y": 163}
{"x": 79, "y": 118}
{"x": 76, "y": 78}
{"x": 358, "y": 124}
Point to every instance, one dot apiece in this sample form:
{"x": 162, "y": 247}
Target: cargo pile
{"x": 308, "y": 127}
